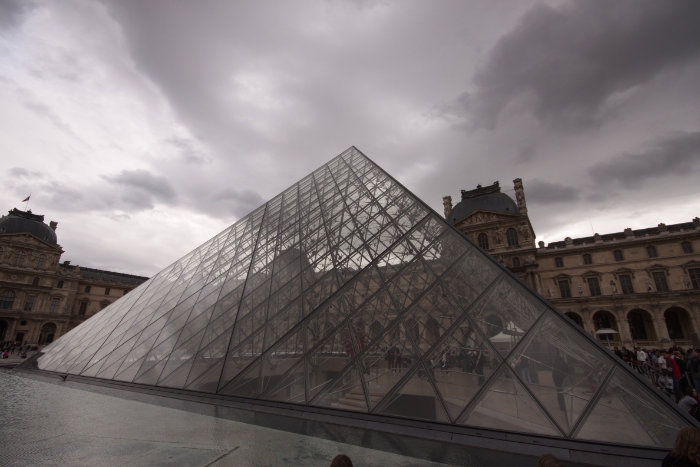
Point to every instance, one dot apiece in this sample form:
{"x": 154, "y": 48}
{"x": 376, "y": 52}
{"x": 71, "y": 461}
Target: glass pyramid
{"x": 346, "y": 291}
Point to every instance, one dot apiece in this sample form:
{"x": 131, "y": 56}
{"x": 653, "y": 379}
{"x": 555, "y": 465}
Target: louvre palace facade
{"x": 42, "y": 298}
{"x": 643, "y": 284}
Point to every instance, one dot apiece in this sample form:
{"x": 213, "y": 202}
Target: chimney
{"x": 66, "y": 263}
{"x": 53, "y": 225}
{"x": 520, "y": 195}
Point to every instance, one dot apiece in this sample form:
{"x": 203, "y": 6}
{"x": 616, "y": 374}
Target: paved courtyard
{"x": 44, "y": 424}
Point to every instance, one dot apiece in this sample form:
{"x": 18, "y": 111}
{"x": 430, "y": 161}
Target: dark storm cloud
{"x": 678, "y": 155}
{"x": 564, "y": 64}
{"x": 141, "y": 189}
{"x": 542, "y": 192}
{"x": 13, "y": 12}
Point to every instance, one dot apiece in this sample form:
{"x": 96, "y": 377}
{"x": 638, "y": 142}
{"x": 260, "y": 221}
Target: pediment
{"x": 485, "y": 217}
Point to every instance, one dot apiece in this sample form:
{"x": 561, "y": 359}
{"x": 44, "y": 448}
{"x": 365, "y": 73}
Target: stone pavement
{"x": 44, "y": 424}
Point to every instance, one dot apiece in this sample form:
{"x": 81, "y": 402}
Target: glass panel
{"x": 346, "y": 392}
{"x": 291, "y": 387}
{"x": 385, "y": 362}
{"x": 209, "y": 381}
{"x": 560, "y": 368}
{"x": 469, "y": 277}
{"x": 629, "y": 413}
{"x": 460, "y": 365}
{"x": 430, "y": 317}
{"x": 247, "y": 385}
{"x": 241, "y": 356}
{"x": 410, "y": 283}
{"x": 506, "y": 405}
{"x": 506, "y": 314}
{"x": 415, "y": 399}
{"x": 327, "y": 360}
{"x": 279, "y": 359}
{"x": 376, "y": 314}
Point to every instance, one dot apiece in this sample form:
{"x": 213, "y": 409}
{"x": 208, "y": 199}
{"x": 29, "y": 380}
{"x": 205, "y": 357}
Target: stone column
{"x": 12, "y": 329}
{"x": 660, "y": 329}
{"x": 624, "y": 328}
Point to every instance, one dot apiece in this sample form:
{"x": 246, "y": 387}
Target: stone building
{"x": 40, "y": 297}
{"x": 641, "y": 286}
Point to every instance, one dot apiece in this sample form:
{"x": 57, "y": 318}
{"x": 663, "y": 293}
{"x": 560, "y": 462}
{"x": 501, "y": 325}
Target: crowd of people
{"x": 674, "y": 371}
{"x": 11, "y": 348}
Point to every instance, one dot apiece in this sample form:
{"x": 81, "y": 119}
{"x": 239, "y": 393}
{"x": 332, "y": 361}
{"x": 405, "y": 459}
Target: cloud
{"x": 188, "y": 151}
{"x": 140, "y": 188}
{"x": 20, "y": 172}
{"x": 12, "y": 12}
{"x": 678, "y": 154}
{"x": 542, "y": 192}
{"x": 234, "y": 202}
{"x": 565, "y": 64}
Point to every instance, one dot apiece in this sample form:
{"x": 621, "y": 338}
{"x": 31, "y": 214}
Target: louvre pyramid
{"x": 345, "y": 291}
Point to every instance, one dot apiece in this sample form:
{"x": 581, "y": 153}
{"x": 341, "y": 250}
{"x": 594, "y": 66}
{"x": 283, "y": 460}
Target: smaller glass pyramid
{"x": 345, "y": 291}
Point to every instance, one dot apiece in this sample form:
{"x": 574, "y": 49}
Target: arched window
{"x": 40, "y": 261}
{"x": 651, "y": 251}
{"x": 559, "y": 262}
{"x": 104, "y": 305}
{"x": 516, "y": 262}
{"x": 687, "y": 247}
{"x": 35, "y": 281}
{"x": 19, "y": 258}
{"x": 618, "y": 255}
{"x": 7, "y": 299}
{"x": 512, "y": 236}
{"x": 587, "y": 259}
{"x": 483, "y": 241}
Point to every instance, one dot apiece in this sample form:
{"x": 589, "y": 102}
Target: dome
{"x": 483, "y": 199}
{"x": 17, "y": 221}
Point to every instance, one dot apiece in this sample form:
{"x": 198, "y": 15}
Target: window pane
{"x": 594, "y": 286}
{"x": 626, "y": 284}
{"x": 564, "y": 289}
{"x": 660, "y": 281}
{"x": 695, "y": 277}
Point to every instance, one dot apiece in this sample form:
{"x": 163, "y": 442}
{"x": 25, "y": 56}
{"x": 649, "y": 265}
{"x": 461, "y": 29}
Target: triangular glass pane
{"x": 246, "y": 385}
{"x": 328, "y": 359}
{"x": 240, "y": 356}
{"x": 627, "y": 413}
{"x": 346, "y": 392}
{"x": 410, "y": 283}
{"x": 280, "y": 358}
{"x": 506, "y": 314}
{"x": 560, "y": 368}
{"x": 208, "y": 381}
{"x": 430, "y": 316}
{"x": 290, "y": 387}
{"x": 386, "y": 361}
{"x": 460, "y": 365}
{"x": 469, "y": 277}
{"x": 506, "y": 405}
{"x": 210, "y": 355}
{"x": 416, "y": 398}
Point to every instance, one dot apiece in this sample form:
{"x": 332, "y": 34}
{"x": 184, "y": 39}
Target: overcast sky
{"x": 146, "y": 127}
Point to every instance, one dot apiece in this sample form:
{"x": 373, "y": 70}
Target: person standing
{"x": 694, "y": 369}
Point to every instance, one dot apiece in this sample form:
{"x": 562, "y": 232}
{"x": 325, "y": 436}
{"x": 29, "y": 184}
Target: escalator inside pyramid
{"x": 348, "y": 293}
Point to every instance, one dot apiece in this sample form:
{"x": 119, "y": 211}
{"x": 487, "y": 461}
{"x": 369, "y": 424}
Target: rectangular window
{"x": 107, "y": 291}
{"x": 687, "y": 247}
{"x": 618, "y": 255}
{"x": 564, "y": 289}
{"x": 29, "y": 303}
{"x": 660, "y": 281}
{"x": 694, "y": 277}
{"x": 54, "y": 305}
{"x": 587, "y": 259}
{"x": 87, "y": 289}
{"x": 594, "y": 286}
{"x": 626, "y": 284}
{"x": 59, "y": 285}
{"x": 83, "y": 308}
{"x": 558, "y": 262}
